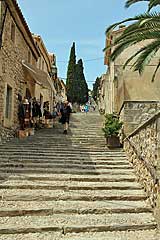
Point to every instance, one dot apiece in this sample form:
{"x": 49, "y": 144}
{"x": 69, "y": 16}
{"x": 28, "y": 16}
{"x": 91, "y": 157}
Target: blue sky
{"x": 60, "y": 22}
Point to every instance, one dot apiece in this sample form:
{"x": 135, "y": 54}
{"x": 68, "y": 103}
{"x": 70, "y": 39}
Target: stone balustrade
{"x": 142, "y": 147}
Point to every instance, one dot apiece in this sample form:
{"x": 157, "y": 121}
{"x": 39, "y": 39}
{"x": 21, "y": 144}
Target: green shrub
{"x": 112, "y": 125}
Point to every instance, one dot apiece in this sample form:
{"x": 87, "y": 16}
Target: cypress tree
{"x": 81, "y": 84}
{"x": 95, "y": 88}
{"x": 71, "y": 75}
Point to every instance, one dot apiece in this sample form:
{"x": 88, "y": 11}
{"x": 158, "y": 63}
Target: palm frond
{"x": 155, "y": 72}
{"x": 146, "y": 56}
{"x": 120, "y": 48}
{"x": 153, "y": 3}
{"x": 140, "y": 35}
{"x": 145, "y": 16}
{"x": 131, "y": 2}
{"x": 132, "y": 57}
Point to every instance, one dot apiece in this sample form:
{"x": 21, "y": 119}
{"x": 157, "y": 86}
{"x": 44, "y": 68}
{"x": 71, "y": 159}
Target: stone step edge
{"x": 78, "y": 179}
{"x": 60, "y": 154}
{"x": 67, "y": 188}
{"x": 74, "y": 158}
{"x": 34, "y": 148}
{"x": 27, "y": 198}
{"x": 50, "y": 211}
{"x": 78, "y": 229}
{"x": 67, "y": 161}
{"x": 63, "y": 166}
{"x": 66, "y": 171}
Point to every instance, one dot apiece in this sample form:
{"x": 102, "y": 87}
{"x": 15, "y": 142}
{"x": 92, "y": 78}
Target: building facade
{"x": 25, "y": 65}
{"x": 134, "y": 97}
{"x": 17, "y": 45}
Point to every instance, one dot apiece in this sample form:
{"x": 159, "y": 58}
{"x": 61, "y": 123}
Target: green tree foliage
{"x": 95, "y": 89}
{"x": 112, "y": 125}
{"x": 77, "y": 89}
{"x": 145, "y": 27}
{"x": 81, "y": 84}
{"x": 71, "y": 72}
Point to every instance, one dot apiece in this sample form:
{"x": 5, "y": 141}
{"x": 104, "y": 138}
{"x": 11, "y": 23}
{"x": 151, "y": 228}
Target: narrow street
{"x": 71, "y": 187}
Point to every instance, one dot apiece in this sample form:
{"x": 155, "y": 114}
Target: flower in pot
{"x": 111, "y": 128}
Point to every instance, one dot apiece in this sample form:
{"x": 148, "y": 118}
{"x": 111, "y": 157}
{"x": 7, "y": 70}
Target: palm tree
{"x": 151, "y": 4}
{"x": 145, "y": 27}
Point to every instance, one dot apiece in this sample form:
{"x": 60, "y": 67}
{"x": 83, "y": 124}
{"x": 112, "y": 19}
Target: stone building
{"x": 60, "y": 87}
{"x": 132, "y": 96}
{"x": 101, "y": 94}
{"x": 25, "y": 65}
{"x": 63, "y": 92}
{"x": 46, "y": 91}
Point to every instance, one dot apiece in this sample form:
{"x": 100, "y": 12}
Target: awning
{"x": 40, "y": 77}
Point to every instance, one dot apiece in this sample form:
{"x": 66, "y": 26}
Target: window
{"x": 29, "y": 56}
{"x": 8, "y": 102}
{"x": 42, "y": 64}
{"x": 13, "y": 32}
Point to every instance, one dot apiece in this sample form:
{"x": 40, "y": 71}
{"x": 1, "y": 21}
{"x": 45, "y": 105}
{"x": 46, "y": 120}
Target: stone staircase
{"x": 71, "y": 187}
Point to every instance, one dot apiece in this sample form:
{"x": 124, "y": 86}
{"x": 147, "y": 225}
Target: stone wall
{"x": 6, "y": 134}
{"x": 143, "y": 150}
{"x": 12, "y": 74}
{"x": 135, "y": 113}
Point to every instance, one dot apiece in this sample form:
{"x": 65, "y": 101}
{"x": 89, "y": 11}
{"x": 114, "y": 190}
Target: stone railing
{"x": 135, "y": 113}
{"x": 142, "y": 147}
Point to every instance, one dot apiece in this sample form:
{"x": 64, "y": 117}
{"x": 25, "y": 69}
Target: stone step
{"x": 38, "y": 170}
{"x": 69, "y": 177}
{"x": 85, "y": 145}
{"x": 60, "y": 156}
{"x": 77, "y": 223}
{"x": 115, "y": 235}
{"x": 74, "y": 195}
{"x": 82, "y": 160}
{"x": 33, "y": 145}
{"x": 88, "y": 147}
{"x": 49, "y": 185}
{"x": 19, "y": 208}
{"x": 33, "y": 236}
{"x": 70, "y": 149}
{"x": 78, "y": 142}
{"x": 70, "y": 137}
{"x": 66, "y": 160}
{"x": 64, "y": 165}
{"x": 68, "y": 140}
{"x": 26, "y": 148}
{"x": 50, "y": 160}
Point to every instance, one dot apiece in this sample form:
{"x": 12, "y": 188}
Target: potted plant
{"x": 111, "y": 128}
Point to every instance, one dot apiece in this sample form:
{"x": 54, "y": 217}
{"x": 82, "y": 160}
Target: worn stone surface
{"x": 6, "y": 134}
{"x": 12, "y": 72}
{"x": 71, "y": 187}
{"x": 135, "y": 113}
{"x": 142, "y": 151}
